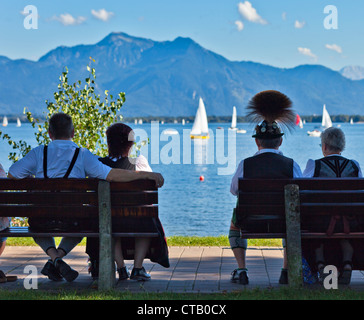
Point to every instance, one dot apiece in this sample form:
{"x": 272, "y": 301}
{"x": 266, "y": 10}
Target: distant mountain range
{"x": 167, "y": 78}
{"x": 353, "y": 72}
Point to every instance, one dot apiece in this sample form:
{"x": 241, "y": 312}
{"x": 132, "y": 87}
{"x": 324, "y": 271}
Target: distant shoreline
{"x": 211, "y": 119}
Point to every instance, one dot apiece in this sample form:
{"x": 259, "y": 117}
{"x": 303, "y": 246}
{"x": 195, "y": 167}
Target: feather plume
{"x": 271, "y": 105}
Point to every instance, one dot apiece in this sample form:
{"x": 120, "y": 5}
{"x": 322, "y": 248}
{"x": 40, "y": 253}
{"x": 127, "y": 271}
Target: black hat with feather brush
{"x": 273, "y": 111}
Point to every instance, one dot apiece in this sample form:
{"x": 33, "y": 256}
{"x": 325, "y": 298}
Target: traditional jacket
{"x": 268, "y": 165}
{"x": 335, "y": 167}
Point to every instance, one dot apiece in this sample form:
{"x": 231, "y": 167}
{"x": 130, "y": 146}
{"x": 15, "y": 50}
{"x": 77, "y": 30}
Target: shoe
{"x": 240, "y": 276}
{"x": 51, "y": 272}
{"x": 320, "y": 271}
{"x": 123, "y": 273}
{"x": 139, "y": 274}
{"x": 4, "y": 278}
{"x": 283, "y": 279}
{"x": 94, "y": 269}
{"x": 65, "y": 270}
{"x": 345, "y": 275}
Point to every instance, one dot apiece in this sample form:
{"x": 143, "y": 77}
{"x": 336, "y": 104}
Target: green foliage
{"x": 90, "y": 113}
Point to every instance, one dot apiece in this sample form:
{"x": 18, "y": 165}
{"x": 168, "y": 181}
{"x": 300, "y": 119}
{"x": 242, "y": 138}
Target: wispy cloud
{"x": 239, "y": 25}
{"x": 299, "y": 24}
{"x": 69, "y": 20}
{"x": 307, "y": 52}
{"x": 102, "y": 14}
{"x": 249, "y": 13}
{"x": 284, "y": 15}
{"x": 334, "y": 47}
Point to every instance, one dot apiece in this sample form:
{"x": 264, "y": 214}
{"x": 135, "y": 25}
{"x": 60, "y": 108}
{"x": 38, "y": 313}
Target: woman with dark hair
{"x": 120, "y": 140}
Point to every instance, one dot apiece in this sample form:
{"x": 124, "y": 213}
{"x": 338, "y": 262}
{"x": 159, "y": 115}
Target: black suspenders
{"x": 336, "y": 167}
{"x": 69, "y": 168}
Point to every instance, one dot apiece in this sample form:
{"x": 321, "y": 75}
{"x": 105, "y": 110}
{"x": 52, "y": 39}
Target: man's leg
{"x": 67, "y": 244}
{"x": 49, "y": 247}
{"x": 2, "y": 245}
{"x": 238, "y": 246}
{"x": 65, "y": 247}
{"x": 56, "y": 268}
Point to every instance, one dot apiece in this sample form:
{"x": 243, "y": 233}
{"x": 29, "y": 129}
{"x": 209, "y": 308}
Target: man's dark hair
{"x": 120, "y": 138}
{"x": 270, "y": 143}
{"x": 61, "y": 126}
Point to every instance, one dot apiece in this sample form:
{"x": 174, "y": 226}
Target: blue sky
{"x": 282, "y": 33}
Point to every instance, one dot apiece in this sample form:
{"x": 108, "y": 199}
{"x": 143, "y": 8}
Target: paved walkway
{"x": 193, "y": 269}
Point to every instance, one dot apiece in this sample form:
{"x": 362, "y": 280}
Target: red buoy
{"x": 202, "y": 178}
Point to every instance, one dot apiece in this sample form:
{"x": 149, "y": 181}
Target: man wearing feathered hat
{"x": 272, "y": 111}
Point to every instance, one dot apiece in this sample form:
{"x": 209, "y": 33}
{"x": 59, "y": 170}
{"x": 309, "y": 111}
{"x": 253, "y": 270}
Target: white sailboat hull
{"x": 314, "y": 133}
{"x": 234, "y": 122}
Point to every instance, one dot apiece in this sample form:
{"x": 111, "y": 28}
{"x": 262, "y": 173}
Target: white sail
{"x": 326, "y": 120}
{"x": 351, "y": 121}
{"x": 233, "y": 119}
{"x": 200, "y": 126}
{"x": 18, "y": 123}
{"x": 196, "y": 128}
{"x": 5, "y": 121}
{"x": 204, "y": 123}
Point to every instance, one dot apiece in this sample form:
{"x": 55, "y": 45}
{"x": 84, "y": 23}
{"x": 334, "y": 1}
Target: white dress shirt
{"x": 60, "y": 154}
{"x": 234, "y": 187}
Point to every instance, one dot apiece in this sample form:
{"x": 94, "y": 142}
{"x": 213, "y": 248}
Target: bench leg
{"x": 107, "y": 264}
{"x": 293, "y": 234}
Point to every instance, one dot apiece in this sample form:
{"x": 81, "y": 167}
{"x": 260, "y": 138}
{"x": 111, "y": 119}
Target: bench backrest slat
{"x": 252, "y": 185}
{"x": 263, "y": 199}
{"x": 75, "y": 198}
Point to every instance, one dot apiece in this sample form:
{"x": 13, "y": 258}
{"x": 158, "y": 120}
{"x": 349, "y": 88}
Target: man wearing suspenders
{"x": 273, "y": 110}
{"x": 62, "y": 158}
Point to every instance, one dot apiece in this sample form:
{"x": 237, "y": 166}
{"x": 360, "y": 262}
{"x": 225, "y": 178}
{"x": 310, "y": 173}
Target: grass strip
{"x": 282, "y": 293}
{"x": 181, "y": 241}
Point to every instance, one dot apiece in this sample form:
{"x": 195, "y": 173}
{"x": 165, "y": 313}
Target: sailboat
{"x": 233, "y": 122}
{"x": 299, "y": 121}
{"x": 351, "y": 121}
{"x": 326, "y": 123}
{"x": 200, "y": 128}
{"x": 18, "y": 123}
{"x": 326, "y": 120}
{"x": 5, "y": 121}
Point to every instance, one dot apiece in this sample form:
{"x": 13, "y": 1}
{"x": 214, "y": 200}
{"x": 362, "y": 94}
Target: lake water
{"x": 189, "y": 206}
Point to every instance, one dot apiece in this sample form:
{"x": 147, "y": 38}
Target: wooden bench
{"x": 84, "y": 199}
{"x": 292, "y": 209}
